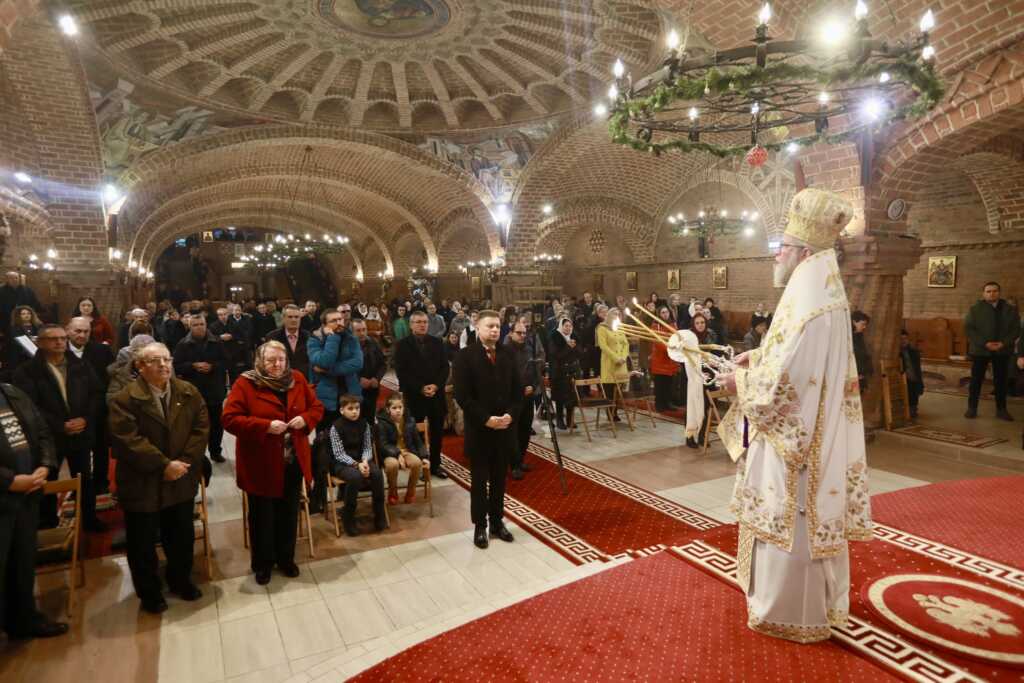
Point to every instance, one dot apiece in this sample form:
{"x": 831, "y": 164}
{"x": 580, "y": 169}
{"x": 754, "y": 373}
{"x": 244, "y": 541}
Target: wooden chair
{"x": 712, "y": 418}
{"x": 305, "y": 525}
{"x": 642, "y": 396}
{"x": 331, "y": 511}
{"x": 57, "y": 549}
{"x": 428, "y": 488}
{"x": 598, "y": 403}
{"x": 201, "y": 524}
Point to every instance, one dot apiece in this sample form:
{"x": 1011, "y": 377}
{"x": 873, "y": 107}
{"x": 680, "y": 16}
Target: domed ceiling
{"x": 424, "y": 65}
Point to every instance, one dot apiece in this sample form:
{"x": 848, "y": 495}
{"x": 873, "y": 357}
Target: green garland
{"x": 742, "y": 80}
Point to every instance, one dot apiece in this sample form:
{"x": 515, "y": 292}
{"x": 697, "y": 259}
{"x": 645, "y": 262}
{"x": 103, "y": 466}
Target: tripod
{"x": 545, "y": 405}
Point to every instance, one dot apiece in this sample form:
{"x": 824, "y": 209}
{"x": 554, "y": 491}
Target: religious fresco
{"x": 386, "y": 18}
{"x": 497, "y": 161}
{"x": 129, "y": 131}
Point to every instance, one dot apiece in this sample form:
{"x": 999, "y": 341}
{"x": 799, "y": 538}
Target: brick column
{"x": 873, "y": 266}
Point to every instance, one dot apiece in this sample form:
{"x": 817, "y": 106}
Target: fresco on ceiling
{"x": 387, "y": 18}
{"x": 497, "y": 161}
{"x": 128, "y": 132}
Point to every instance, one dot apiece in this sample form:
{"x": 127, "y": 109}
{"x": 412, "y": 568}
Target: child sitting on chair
{"x": 401, "y": 446}
{"x": 351, "y": 447}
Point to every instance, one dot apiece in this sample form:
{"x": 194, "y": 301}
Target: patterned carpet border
{"x": 876, "y": 644}
{"x": 643, "y": 496}
{"x": 965, "y": 439}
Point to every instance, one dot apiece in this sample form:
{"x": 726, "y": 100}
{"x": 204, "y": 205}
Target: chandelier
{"x": 774, "y": 94}
{"x": 489, "y": 269}
{"x": 285, "y": 247}
{"x": 547, "y": 259}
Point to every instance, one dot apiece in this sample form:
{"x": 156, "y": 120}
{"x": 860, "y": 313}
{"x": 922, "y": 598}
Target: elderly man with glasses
{"x": 68, "y": 394}
{"x": 159, "y": 429}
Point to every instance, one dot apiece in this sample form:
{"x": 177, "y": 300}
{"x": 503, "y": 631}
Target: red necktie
{"x": 491, "y": 356}
{"x": 292, "y": 341}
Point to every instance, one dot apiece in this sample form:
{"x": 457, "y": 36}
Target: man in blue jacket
{"x": 335, "y": 360}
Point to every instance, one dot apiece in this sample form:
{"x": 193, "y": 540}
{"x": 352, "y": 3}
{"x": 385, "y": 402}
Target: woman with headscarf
{"x": 564, "y": 355}
{"x": 696, "y": 399}
{"x": 614, "y": 347}
{"x": 100, "y": 329}
{"x": 663, "y": 368}
{"x": 271, "y": 410}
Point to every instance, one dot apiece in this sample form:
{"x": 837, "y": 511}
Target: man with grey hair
{"x": 436, "y": 324}
{"x": 159, "y": 429}
{"x": 129, "y": 318}
{"x": 99, "y": 357}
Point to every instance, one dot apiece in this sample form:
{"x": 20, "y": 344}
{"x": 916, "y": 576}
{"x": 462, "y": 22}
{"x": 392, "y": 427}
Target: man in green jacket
{"x": 991, "y": 326}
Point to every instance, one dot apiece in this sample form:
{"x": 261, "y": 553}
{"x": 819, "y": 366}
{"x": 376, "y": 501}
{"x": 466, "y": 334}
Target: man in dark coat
{"x": 263, "y": 323}
{"x": 294, "y": 338}
{"x": 99, "y": 357}
{"x": 375, "y": 365}
{"x": 528, "y": 365}
{"x": 27, "y": 458}
{"x": 488, "y": 390}
{"x": 67, "y": 393}
{"x": 422, "y": 368}
{"x": 991, "y": 326}
{"x": 234, "y": 330}
{"x": 311, "y": 317}
{"x": 199, "y": 359}
{"x": 910, "y": 360}
{"x": 159, "y": 430}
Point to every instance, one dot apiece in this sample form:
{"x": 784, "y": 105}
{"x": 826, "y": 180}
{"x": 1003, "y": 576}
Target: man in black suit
{"x": 311, "y": 317}
{"x": 234, "y": 329}
{"x": 263, "y": 323}
{"x": 294, "y": 338}
{"x": 488, "y": 389}
{"x": 374, "y": 368}
{"x": 199, "y": 360}
{"x": 422, "y": 369}
{"x": 67, "y": 393}
{"x": 99, "y": 357}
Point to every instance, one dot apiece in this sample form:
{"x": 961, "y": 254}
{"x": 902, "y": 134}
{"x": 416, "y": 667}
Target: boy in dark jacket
{"x": 910, "y": 358}
{"x": 401, "y": 446}
{"x": 351, "y": 452}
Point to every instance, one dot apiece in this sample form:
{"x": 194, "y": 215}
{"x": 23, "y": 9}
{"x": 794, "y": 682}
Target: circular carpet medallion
{"x": 963, "y": 617}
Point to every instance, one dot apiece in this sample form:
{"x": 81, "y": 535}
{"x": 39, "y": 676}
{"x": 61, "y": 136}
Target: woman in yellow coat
{"x": 614, "y": 355}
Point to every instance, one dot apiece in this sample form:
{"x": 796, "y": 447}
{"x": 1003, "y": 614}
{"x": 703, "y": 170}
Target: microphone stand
{"x": 545, "y": 405}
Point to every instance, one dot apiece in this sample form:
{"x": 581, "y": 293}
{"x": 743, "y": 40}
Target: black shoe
{"x": 316, "y": 506}
{"x": 155, "y": 605}
{"x": 502, "y": 532}
{"x": 691, "y": 442}
{"x": 616, "y": 418}
{"x": 480, "y": 537}
{"x": 188, "y": 592}
{"x": 517, "y": 473}
{"x": 533, "y": 432}
{"x": 560, "y": 425}
{"x": 289, "y": 569}
{"x": 349, "y": 522}
{"x": 438, "y": 474}
{"x": 971, "y": 413}
{"x": 1004, "y": 415}
{"x": 217, "y": 457}
{"x": 380, "y": 523}
{"x": 263, "y": 576}
{"x": 41, "y": 629}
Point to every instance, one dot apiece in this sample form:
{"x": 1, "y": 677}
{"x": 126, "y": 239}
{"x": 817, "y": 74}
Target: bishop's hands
{"x": 497, "y": 422}
{"x": 727, "y": 383}
{"x": 742, "y": 360}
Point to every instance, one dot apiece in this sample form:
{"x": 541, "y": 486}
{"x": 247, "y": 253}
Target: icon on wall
{"x": 942, "y": 271}
{"x": 207, "y": 235}
{"x": 673, "y": 280}
{"x": 631, "y": 279}
{"x": 720, "y": 277}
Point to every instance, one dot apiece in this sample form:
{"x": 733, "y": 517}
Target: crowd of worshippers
{"x": 138, "y": 408}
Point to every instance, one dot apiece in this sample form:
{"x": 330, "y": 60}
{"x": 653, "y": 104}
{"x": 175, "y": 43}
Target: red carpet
{"x": 656, "y": 618}
{"x": 981, "y": 516}
{"x": 601, "y": 514}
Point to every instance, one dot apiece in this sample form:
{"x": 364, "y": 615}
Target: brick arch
{"x": 462, "y": 244}
{"x": 398, "y": 169}
{"x": 216, "y": 192}
{"x": 213, "y": 216}
{"x": 251, "y": 220}
{"x": 635, "y": 226}
{"x": 985, "y": 101}
{"x": 580, "y": 161}
{"x": 998, "y": 177}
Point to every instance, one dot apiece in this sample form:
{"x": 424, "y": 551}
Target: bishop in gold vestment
{"x": 797, "y": 433}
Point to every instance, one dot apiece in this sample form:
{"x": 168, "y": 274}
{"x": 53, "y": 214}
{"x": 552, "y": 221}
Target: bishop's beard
{"x": 783, "y": 271}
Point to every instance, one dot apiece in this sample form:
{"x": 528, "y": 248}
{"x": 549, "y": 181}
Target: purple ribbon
{"x": 746, "y": 433}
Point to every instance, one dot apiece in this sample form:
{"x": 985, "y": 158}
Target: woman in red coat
{"x": 663, "y": 368}
{"x": 271, "y": 410}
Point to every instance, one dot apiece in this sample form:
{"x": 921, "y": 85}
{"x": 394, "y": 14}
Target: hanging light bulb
{"x": 673, "y": 39}
{"x": 792, "y": 148}
{"x": 861, "y": 10}
{"x": 613, "y": 93}
{"x": 618, "y": 69}
{"x": 755, "y": 108}
{"x": 884, "y": 77}
{"x": 600, "y": 110}
{"x": 694, "y": 113}
{"x": 765, "y": 15}
{"x": 928, "y": 53}
{"x": 927, "y": 22}
{"x": 823, "y": 97}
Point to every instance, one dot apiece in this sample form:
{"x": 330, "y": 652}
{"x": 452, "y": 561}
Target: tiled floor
{"x": 363, "y": 599}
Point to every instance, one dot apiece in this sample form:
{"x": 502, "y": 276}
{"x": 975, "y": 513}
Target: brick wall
{"x": 11, "y": 12}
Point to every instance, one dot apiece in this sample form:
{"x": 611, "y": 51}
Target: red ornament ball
{"x": 757, "y": 156}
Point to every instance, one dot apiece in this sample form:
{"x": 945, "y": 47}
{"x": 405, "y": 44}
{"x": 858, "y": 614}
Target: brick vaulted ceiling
{"x": 421, "y": 64}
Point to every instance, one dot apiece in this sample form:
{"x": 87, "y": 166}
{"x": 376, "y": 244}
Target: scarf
{"x": 261, "y": 378}
{"x": 565, "y": 336}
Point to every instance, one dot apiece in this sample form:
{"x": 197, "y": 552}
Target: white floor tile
{"x": 251, "y": 644}
{"x": 184, "y": 615}
{"x": 338, "y": 576}
{"x": 307, "y": 629}
{"x": 449, "y": 589}
{"x": 285, "y": 592}
{"x": 359, "y": 616}
{"x": 381, "y": 567}
{"x": 485, "y": 576}
{"x": 275, "y": 674}
{"x": 241, "y": 597}
{"x": 421, "y": 558}
{"x": 406, "y": 602}
{"x": 191, "y": 655}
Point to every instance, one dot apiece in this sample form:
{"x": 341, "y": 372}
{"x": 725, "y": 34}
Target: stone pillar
{"x": 873, "y": 266}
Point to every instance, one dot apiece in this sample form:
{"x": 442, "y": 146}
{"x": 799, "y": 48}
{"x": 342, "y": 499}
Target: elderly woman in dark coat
{"x": 272, "y": 410}
{"x": 565, "y": 355}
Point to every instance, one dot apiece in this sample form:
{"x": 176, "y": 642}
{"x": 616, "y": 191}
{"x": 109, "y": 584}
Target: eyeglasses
{"x": 158, "y": 361}
{"x": 777, "y": 249}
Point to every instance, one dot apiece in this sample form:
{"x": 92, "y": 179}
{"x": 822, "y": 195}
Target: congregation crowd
{"x": 138, "y": 407}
